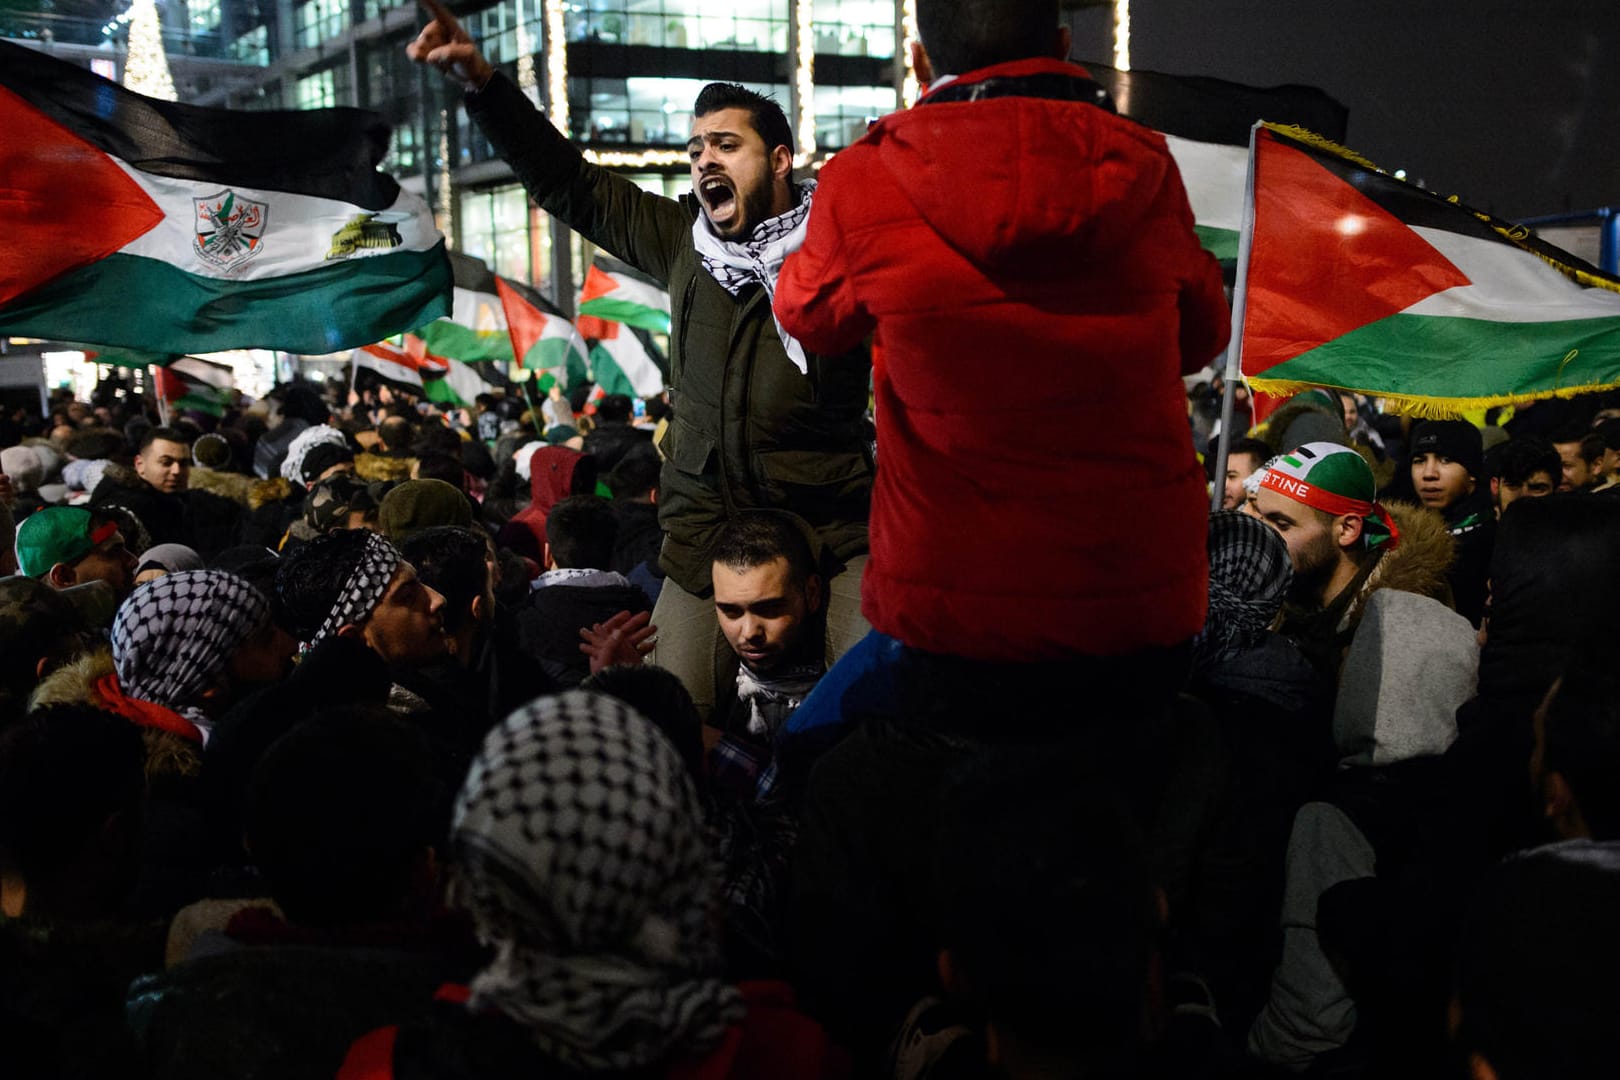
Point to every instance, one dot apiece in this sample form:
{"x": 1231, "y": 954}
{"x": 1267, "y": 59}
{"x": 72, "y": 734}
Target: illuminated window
{"x": 745, "y": 25}
{"x": 317, "y": 91}
{"x": 642, "y": 111}
{"x": 854, "y": 27}
{"x": 319, "y": 20}
{"x": 843, "y": 112}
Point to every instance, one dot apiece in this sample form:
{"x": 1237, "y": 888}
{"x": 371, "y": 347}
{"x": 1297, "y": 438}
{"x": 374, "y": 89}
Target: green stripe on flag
{"x": 1221, "y": 243}
{"x": 446, "y": 338}
{"x": 1438, "y": 362}
{"x": 343, "y": 305}
{"x": 627, "y": 312}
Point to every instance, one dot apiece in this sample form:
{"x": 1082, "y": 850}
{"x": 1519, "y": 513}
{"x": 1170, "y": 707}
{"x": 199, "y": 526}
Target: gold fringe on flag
{"x": 1427, "y": 408}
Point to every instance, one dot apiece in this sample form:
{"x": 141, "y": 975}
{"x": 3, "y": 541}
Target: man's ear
{"x": 1496, "y": 488}
{"x": 477, "y": 609}
{"x": 812, "y": 593}
{"x": 62, "y": 576}
{"x": 545, "y": 557}
{"x": 352, "y": 630}
{"x": 1065, "y": 40}
{"x": 782, "y": 163}
{"x": 920, "y": 61}
{"x": 1348, "y": 529}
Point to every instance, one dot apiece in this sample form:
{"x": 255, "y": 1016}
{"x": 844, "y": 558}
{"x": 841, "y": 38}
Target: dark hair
{"x": 168, "y": 434}
{"x": 965, "y": 35}
{"x": 310, "y": 580}
{"x": 1583, "y": 742}
{"x": 1255, "y": 448}
{"x": 636, "y": 473}
{"x": 614, "y": 409}
{"x": 437, "y": 438}
{"x": 1044, "y": 899}
{"x": 450, "y": 561}
{"x": 1609, "y": 432}
{"x": 659, "y": 695}
{"x": 581, "y": 530}
{"x": 1592, "y": 447}
{"x": 759, "y": 537}
{"x": 395, "y": 433}
{"x": 64, "y": 770}
{"x": 1517, "y": 460}
{"x": 338, "y": 812}
{"x": 767, "y": 116}
{"x": 438, "y": 465}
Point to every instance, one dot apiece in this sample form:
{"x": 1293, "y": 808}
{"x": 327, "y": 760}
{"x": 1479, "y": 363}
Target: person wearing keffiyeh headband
{"x": 175, "y": 646}
{"x": 355, "y": 583}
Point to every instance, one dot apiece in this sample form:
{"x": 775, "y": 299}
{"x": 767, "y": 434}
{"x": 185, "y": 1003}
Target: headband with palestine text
{"x": 1336, "y": 480}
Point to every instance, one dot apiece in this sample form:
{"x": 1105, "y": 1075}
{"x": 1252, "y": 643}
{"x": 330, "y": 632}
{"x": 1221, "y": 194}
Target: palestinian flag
{"x": 626, "y": 364}
{"x": 474, "y": 330}
{"x": 540, "y": 340}
{"x": 1206, "y": 123}
{"x": 166, "y": 227}
{"x": 391, "y": 364}
{"x": 1359, "y": 281}
{"x": 614, "y": 292}
{"x": 445, "y": 380}
{"x": 192, "y": 385}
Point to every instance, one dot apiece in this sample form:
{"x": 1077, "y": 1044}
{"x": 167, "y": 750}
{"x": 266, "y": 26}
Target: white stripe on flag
{"x": 298, "y": 229}
{"x": 480, "y": 311}
{"x": 1509, "y": 285}
{"x": 1214, "y": 176}
{"x": 632, "y": 291}
{"x": 388, "y": 369}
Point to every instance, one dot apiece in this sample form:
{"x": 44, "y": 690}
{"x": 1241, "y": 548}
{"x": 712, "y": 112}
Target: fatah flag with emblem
{"x": 1354, "y": 279}
{"x": 1206, "y": 123}
{"x": 155, "y": 225}
{"x": 616, "y": 293}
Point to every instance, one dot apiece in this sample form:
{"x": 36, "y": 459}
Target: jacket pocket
{"x": 820, "y": 486}
{"x": 688, "y": 449}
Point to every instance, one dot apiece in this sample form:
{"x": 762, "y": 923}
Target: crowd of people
{"x": 344, "y": 734}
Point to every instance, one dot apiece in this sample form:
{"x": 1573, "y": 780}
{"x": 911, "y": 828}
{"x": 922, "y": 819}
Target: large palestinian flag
{"x": 1356, "y": 280}
{"x": 160, "y": 226}
{"x": 1206, "y": 123}
{"x": 620, "y": 310}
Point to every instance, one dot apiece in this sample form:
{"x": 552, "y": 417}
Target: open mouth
{"x": 718, "y": 198}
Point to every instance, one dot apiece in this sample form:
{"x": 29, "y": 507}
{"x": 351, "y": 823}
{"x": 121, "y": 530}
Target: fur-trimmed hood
{"x": 374, "y": 467}
{"x": 168, "y": 756}
{"x": 262, "y": 493}
{"x": 233, "y": 486}
{"x": 1418, "y": 564}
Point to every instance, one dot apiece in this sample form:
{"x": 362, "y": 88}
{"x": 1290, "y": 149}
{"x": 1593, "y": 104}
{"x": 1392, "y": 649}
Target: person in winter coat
{"x": 1010, "y": 216}
{"x": 1448, "y": 474}
{"x": 761, "y": 421}
{"x": 607, "y": 958}
{"x": 555, "y": 473}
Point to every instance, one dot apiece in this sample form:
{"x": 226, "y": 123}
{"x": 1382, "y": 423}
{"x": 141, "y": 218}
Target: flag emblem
{"x": 230, "y": 230}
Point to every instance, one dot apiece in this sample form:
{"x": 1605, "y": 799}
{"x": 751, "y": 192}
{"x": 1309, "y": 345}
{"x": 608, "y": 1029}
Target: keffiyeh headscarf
{"x": 759, "y": 259}
{"x": 1249, "y": 575}
{"x": 292, "y": 466}
{"x": 172, "y": 638}
{"x": 379, "y": 559}
{"x": 578, "y": 841}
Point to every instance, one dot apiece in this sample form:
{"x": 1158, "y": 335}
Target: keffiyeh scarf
{"x": 292, "y": 466}
{"x": 1249, "y": 575}
{"x": 365, "y": 587}
{"x": 579, "y": 843}
{"x": 174, "y": 636}
{"x": 772, "y": 699}
{"x": 759, "y": 259}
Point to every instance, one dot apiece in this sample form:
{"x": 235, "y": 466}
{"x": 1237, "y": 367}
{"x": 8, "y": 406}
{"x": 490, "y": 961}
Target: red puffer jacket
{"x": 1041, "y": 250}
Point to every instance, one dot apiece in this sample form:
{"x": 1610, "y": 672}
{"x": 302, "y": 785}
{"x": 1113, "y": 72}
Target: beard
{"x": 1313, "y": 570}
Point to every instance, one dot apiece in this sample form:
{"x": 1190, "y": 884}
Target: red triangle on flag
{"x": 1325, "y": 259}
{"x": 525, "y": 323}
{"x": 67, "y": 204}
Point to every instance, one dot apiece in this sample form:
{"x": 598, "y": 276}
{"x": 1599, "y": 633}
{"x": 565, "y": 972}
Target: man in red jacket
{"x": 1011, "y": 222}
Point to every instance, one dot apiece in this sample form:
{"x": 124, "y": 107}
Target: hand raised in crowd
{"x": 622, "y": 639}
{"x": 445, "y": 45}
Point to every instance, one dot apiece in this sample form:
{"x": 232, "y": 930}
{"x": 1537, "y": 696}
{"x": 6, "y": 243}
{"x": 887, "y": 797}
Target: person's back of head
{"x": 450, "y": 560}
{"x": 659, "y": 695}
{"x": 965, "y": 35}
{"x": 1046, "y": 911}
{"x": 342, "y": 814}
{"x": 72, "y": 781}
{"x": 396, "y": 434}
{"x": 311, "y": 580}
{"x": 438, "y": 465}
{"x": 436, "y": 438}
{"x": 614, "y": 409}
{"x": 1539, "y": 969}
{"x": 1517, "y": 460}
{"x": 636, "y": 474}
{"x": 580, "y": 531}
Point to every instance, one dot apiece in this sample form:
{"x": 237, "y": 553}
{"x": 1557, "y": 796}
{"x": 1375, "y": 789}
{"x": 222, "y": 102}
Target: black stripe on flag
{"x": 325, "y": 153}
{"x": 474, "y": 275}
{"x": 1214, "y": 110}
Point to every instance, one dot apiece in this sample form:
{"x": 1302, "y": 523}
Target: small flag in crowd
{"x": 616, "y": 293}
{"x": 1206, "y": 124}
{"x": 540, "y": 340}
{"x": 391, "y": 364}
{"x": 191, "y": 385}
{"x": 154, "y": 225}
{"x": 480, "y": 330}
{"x": 445, "y": 379}
{"x": 1357, "y": 280}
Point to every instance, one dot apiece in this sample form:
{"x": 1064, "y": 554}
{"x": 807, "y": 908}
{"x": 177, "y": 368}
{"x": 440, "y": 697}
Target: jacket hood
{"x": 1418, "y": 564}
{"x": 168, "y": 756}
{"x": 1412, "y": 662}
{"x": 551, "y": 476}
{"x": 1090, "y": 166}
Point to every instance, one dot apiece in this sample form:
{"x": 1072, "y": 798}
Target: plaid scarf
{"x": 1249, "y": 574}
{"x": 363, "y": 590}
{"x": 758, "y": 260}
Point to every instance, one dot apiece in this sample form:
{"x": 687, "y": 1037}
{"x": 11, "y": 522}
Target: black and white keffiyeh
{"x": 758, "y": 260}
{"x": 1249, "y": 575}
{"x": 174, "y": 636}
{"x": 292, "y": 466}
{"x": 379, "y": 559}
{"x": 580, "y": 854}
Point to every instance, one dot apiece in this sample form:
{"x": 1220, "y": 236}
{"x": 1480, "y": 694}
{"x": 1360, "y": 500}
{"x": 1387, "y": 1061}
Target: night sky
{"x": 1513, "y": 105}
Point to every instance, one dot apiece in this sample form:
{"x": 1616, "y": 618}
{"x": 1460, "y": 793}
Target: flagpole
{"x": 1234, "y": 351}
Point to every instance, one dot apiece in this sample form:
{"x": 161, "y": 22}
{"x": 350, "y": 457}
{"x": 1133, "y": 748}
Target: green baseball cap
{"x": 59, "y": 534}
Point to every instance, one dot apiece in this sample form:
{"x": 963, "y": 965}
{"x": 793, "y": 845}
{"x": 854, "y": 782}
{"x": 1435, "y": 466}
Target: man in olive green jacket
{"x": 758, "y": 422}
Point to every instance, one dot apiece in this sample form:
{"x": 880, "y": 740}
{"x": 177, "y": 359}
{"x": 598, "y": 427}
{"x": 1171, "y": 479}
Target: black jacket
{"x": 549, "y": 625}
